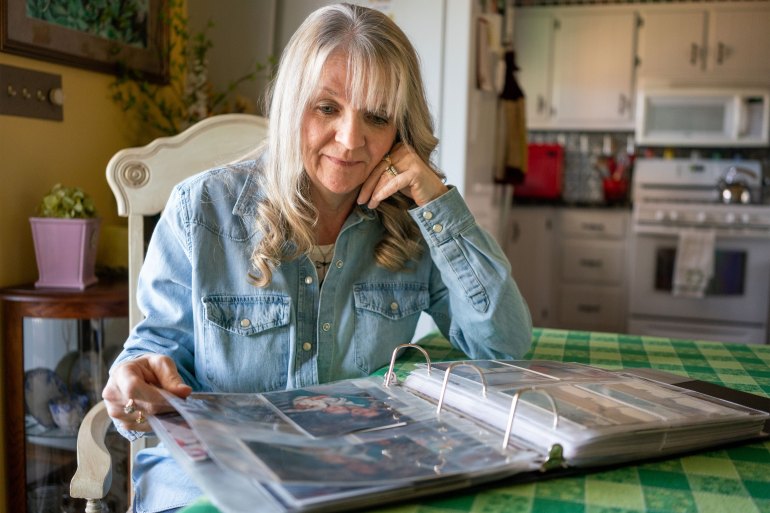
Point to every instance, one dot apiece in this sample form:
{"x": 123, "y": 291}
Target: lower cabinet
{"x": 571, "y": 265}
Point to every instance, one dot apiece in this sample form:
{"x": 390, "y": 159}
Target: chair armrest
{"x": 93, "y": 477}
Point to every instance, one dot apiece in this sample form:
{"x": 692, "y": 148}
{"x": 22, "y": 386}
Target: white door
{"x": 530, "y": 249}
{"x": 739, "y": 42}
{"x": 533, "y": 42}
{"x": 672, "y": 43}
{"x": 594, "y": 70}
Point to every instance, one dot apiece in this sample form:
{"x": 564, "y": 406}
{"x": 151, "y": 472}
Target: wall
{"x": 35, "y": 154}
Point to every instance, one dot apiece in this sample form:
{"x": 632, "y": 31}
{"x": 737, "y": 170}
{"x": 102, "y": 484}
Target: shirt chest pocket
{"x": 392, "y": 301}
{"x": 386, "y": 316}
{"x": 246, "y": 342}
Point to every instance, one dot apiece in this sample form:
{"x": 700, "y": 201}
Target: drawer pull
{"x": 592, "y": 227}
{"x": 591, "y": 263}
{"x": 588, "y": 308}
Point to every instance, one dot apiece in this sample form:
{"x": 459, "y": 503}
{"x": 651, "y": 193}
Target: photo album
{"x": 446, "y": 426}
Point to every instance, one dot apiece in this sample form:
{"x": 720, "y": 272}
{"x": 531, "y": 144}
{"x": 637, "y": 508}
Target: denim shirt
{"x": 227, "y": 335}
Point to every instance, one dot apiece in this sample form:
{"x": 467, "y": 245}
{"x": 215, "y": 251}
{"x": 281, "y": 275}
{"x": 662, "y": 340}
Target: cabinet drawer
{"x": 592, "y": 308}
{"x": 597, "y": 262}
{"x": 600, "y": 224}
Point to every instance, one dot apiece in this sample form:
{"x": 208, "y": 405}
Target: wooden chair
{"x": 142, "y": 180}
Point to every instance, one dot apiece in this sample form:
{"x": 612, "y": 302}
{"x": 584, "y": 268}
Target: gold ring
{"x": 140, "y": 418}
{"x": 392, "y": 171}
{"x": 128, "y": 409}
{"x": 386, "y": 159}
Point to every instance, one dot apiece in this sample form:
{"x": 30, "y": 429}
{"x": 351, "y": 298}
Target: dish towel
{"x": 694, "y": 265}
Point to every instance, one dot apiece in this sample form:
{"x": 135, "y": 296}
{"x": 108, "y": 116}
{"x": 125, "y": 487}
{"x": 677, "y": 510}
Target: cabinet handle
{"x": 694, "y": 54}
{"x": 540, "y": 104}
{"x": 624, "y": 105}
{"x": 588, "y": 308}
{"x": 591, "y": 263}
{"x": 592, "y": 227}
{"x": 720, "y": 52}
{"x": 516, "y": 232}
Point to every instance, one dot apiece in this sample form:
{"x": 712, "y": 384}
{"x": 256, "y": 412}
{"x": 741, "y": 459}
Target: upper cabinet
{"x": 577, "y": 66}
{"x": 724, "y": 44}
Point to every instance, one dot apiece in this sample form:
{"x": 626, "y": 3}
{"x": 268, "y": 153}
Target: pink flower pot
{"x": 66, "y": 251}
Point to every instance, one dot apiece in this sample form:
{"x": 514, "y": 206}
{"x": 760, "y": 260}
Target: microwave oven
{"x": 702, "y": 117}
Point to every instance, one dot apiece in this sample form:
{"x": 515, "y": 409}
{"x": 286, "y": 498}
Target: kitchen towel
{"x": 694, "y": 264}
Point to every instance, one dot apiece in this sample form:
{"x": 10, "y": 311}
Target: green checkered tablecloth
{"x": 735, "y": 479}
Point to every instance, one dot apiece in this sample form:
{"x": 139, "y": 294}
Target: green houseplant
{"x": 65, "y": 232}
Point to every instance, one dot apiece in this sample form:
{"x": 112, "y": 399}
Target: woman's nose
{"x": 350, "y": 131}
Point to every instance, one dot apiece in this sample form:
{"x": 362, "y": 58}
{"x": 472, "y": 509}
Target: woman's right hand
{"x": 132, "y": 394}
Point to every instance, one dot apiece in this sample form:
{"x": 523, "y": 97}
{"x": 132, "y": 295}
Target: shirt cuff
{"x": 444, "y": 217}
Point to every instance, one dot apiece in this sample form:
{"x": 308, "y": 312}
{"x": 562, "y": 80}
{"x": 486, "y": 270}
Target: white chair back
{"x": 142, "y": 179}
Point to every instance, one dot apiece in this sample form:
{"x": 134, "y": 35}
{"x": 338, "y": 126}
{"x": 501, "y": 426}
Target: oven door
{"x": 736, "y": 295}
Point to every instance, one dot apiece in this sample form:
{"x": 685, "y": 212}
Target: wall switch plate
{"x": 30, "y": 93}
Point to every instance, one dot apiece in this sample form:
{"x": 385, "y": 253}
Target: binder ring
{"x": 392, "y": 375}
{"x": 446, "y": 381}
{"x": 515, "y": 403}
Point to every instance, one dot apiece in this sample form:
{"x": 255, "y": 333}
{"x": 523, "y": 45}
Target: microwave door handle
{"x": 743, "y": 117}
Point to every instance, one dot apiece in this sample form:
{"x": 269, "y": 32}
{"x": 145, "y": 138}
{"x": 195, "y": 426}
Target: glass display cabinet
{"x": 57, "y": 348}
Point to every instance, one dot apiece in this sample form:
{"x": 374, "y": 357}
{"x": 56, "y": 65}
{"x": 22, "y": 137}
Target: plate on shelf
{"x": 40, "y": 386}
{"x": 88, "y": 375}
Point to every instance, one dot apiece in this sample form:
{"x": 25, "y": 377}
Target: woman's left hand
{"x": 401, "y": 170}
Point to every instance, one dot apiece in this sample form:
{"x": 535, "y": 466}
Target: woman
{"x": 313, "y": 261}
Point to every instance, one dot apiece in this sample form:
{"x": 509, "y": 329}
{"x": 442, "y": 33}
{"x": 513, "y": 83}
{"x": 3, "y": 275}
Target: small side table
{"x": 39, "y": 450}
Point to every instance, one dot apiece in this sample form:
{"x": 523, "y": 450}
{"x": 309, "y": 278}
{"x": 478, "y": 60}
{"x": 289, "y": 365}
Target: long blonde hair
{"x": 383, "y": 70}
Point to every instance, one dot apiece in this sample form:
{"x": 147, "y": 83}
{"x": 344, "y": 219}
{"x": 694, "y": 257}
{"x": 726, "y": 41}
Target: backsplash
{"x": 587, "y": 155}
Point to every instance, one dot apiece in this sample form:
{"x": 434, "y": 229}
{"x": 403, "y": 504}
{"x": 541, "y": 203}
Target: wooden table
{"x": 104, "y": 299}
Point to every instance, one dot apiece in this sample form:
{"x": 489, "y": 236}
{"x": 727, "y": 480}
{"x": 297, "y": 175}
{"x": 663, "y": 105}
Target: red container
{"x": 545, "y": 164}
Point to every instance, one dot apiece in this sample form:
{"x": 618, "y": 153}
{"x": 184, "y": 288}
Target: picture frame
{"x": 135, "y": 39}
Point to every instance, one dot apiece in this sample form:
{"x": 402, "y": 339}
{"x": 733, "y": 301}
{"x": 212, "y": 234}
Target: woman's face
{"x": 341, "y": 145}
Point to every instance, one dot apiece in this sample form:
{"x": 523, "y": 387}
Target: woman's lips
{"x": 342, "y": 162}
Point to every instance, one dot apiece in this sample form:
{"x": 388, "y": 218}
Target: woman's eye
{"x": 378, "y": 119}
{"x": 326, "y": 109}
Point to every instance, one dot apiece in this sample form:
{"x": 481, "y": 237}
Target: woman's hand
{"x": 401, "y": 170}
{"x": 131, "y": 393}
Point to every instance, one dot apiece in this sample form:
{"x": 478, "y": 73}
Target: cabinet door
{"x": 672, "y": 43}
{"x": 530, "y": 251}
{"x": 594, "y": 63}
{"x": 739, "y": 43}
{"x": 533, "y": 42}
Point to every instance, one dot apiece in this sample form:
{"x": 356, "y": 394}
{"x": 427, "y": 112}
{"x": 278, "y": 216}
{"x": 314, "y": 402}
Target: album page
{"x": 597, "y": 416}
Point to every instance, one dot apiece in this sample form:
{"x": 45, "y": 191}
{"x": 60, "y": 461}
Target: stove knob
{"x": 745, "y": 218}
{"x": 673, "y": 215}
{"x": 730, "y": 218}
{"x": 660, "y": 215}
{"x": 700, "y": 217}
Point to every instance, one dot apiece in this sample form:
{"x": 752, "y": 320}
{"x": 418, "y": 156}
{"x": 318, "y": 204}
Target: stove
{"x": 677, "y": 201}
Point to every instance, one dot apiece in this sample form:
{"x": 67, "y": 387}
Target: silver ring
{"x": 392, "y": 171}
{"x": 128, "y": 409}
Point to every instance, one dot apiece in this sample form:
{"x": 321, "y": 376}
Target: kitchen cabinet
{"x": 577, "y": 66}
{"x": 721, "y": 44}
{"x": 531, "y": 249}
{"x": 533, "y": 40}
{"x": 571, "y": 265}
{"x": 593, "y": 257}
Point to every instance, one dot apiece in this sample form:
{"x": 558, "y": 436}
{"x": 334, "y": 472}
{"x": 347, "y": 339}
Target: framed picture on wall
{"x": 95, "y": 35}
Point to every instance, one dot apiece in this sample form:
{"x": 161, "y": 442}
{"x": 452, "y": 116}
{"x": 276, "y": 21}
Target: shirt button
{"x": 394, "y": 306}
{"x": 427, "y": 215}
{"x": 308, "y": 279}
{"x": 339, "y": 264}
{"x": 437, "y": 228}
{"x": 307, "y": 346}
{"x": 245, "y": 323}
{"x": 326, "y": 326}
